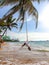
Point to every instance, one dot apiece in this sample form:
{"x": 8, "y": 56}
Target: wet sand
{"x": 13, "y": 54}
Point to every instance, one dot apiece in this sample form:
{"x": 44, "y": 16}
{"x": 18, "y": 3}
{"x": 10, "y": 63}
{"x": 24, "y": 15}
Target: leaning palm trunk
{"x": 0, "y": 45}
{"x": 1, "y": 40}
{"x": 4, "y": 32}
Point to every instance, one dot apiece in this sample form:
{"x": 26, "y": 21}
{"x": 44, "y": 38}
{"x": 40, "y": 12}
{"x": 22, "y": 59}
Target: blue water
{"x": 42, "y": 45}
{"x": 38, "y": 45}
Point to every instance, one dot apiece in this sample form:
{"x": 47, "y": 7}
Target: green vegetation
{"x": 8, "y": 39}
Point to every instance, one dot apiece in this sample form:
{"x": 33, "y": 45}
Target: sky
{"x": 42, "y": 31}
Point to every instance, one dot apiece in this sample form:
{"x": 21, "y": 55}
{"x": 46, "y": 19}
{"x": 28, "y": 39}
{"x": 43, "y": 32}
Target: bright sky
{"x": 42, "y": 31}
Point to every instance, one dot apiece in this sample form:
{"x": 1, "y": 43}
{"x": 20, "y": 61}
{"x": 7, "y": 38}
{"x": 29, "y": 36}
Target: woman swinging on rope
{"x": 26, "y": 44}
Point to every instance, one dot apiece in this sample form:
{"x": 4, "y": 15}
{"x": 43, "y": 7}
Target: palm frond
{"x": 7, "y": 2}
{"x": 22, "y": 7}
{"x": 12, "y": 11}
{"x": 13, "y": 20}
{"x": 21, "y": 25}
{"x": 14, "y": 24}
{"x": 9, "y": 27}
{"x": 38, "y": 0}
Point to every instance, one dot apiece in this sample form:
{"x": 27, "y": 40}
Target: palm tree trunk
{"x": 4, "y": 32}
{"x": 1, "y": 37}
{"x": 0, "y": 45}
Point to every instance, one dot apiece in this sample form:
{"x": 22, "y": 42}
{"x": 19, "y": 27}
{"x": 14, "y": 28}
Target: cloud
{"x": 31, "y": 36}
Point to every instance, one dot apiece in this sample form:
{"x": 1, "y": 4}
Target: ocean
{"x": 36, "y": 45}
{"x": 40, "y": 45}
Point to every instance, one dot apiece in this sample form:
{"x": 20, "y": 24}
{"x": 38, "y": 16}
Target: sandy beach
{"x": 13, "y": 54}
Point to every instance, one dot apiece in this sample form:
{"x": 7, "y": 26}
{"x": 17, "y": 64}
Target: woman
{"x": 27, "y": 46}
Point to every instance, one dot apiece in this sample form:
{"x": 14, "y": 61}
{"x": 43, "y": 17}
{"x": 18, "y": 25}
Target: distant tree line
{"x": 8, "y": 39}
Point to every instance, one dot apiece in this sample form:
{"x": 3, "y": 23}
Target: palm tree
{"x": 22, "y": 6}
{"x": 8, "y": 24}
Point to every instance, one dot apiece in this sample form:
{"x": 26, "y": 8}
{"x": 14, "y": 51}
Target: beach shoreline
{"x": 13, "y": 54}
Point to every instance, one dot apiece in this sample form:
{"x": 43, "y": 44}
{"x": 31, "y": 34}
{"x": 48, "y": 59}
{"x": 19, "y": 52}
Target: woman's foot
{"x": 29, "y": 48}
